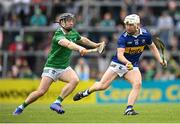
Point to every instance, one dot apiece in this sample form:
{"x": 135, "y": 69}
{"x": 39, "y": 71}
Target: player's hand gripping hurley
{"x": 98, "y": 49}
{"x": 129, "y": 66}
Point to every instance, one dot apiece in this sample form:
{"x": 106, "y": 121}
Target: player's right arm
{"x": 120, "y": 53}
{"x": 68, "y": 44}
{"x": 122, "y": 58}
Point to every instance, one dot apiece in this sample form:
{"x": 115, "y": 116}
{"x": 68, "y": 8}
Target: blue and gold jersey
{"x": 134, "y": 46}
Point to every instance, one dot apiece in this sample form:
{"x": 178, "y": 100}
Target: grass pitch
{"x": 90, "y": 113}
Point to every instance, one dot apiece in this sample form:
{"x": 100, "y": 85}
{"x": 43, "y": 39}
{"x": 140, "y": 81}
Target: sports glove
{"x": 129, "y": 66}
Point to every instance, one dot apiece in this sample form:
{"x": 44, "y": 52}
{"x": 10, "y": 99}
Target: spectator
{"x": 15, "y": 69}
{"x": 2, "y": 15}
{"x": 29, "y": 43}
{"x": 165, "y": 26}
{"x": 173, "y": 11}
{"x": 69, "y": 6}
{"x": 174, "y": 45}
{"x": 129, "y": 5}
{"x": 119, "y": 20}
{"x": 25, "y": 71}
{"x": 22, "y": 8}
{"x": 14, "y": 15}
{"x": 143, "y": 64}
{"x": 16, "y": 46}
{"x": 54, "y": 23}
{"x": 38, "y": 19}
{"x": 14, "y": 72}
{"x": 6, "y": 5}
{"x": 46, "y": 44}
{"x": 56, "y": 4}
{"x": 146, "y": 19}
{"x": 107, "y": 21}
{"x": 174, "y": 67}
{"x": 165, "y": 75}
{"x": 150, "y": 70}
{"x": 82, "y": 69}
{"x": 94, "y": 21}
{"x": 13, "y": 22}
{"x": 80, "y": 21}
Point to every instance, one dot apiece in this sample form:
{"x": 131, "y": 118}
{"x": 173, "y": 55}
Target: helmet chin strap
{"x": 137, "y": 28}
{"x": 67, "y": 29}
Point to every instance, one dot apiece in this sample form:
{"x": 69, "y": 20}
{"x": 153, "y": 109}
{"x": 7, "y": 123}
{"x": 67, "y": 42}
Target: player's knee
{"x": 101, "y": 86}
{"x": 75, "y": 81}
{"x": 137, "y": 85}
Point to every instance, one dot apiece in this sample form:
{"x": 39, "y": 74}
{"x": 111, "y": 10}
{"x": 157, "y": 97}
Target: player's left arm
{"x": 88, "y": 42}
{"x": 156, "y": 54}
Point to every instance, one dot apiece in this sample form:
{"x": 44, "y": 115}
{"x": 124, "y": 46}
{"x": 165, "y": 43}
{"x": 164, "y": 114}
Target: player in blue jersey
{"x": 131, "y": 44}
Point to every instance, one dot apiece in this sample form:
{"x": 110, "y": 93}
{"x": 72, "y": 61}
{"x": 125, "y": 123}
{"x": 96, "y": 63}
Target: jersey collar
{"x": 63, "y": 30}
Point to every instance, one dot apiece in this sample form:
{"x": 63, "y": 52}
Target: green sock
{"x": 25, "y": 104}
{"x": 22, "y": 106}
{"x": 60, "y": 98}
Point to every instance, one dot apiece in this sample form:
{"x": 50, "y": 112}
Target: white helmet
{"x": 132, "y": 19}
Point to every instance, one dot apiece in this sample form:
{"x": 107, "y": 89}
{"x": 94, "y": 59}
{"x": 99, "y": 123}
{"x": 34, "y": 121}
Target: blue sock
{"x": 129, "y": 107}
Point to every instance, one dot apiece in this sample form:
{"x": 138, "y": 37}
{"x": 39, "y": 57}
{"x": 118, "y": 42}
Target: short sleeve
{"x": 58, "y": 38}
{"x": 121, "y": 42}
{"x": 149, "y": 39}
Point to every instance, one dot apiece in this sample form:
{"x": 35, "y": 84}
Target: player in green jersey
{"x": 57, "y": 66}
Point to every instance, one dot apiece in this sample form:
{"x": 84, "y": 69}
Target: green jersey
{"x": 59, "y": 56}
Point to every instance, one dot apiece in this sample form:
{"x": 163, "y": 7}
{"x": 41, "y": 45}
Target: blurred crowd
{"x": 107, "y": 22}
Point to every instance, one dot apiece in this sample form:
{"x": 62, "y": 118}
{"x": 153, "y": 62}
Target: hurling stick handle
{"x": 92, "y": 50}
{"x": 163, "y": 55}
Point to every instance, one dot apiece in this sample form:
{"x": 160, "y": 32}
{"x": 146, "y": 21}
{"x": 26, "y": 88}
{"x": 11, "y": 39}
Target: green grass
{"x": 105, "y": 113}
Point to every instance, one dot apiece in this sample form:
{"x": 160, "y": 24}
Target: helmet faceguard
{"x": 64, "y": 18}
{"x": 134, "y": 20}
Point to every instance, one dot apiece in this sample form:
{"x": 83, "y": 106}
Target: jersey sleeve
{"x": 59, "y": 37}
{"x": 149, "y": 39}
{"x": 121, "y": 42}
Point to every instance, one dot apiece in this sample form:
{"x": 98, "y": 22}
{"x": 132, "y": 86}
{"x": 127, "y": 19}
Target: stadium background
{"x": 26, "y": 29}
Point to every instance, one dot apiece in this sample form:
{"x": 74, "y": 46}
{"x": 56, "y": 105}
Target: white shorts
{"x": 120, "y": 69}
{"x": 53, "y": 72}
